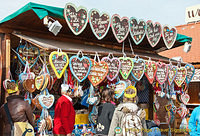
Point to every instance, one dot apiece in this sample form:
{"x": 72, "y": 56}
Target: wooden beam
{"x": 7, "y": 56}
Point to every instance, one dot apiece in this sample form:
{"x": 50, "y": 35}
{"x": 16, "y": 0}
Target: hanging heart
{"x": 126, "y": 66}
{"x": 181, "y": 76}
{"x": 45, "y": 82}
{"x": 138, "y": 68}
{"x": 168, "y": 107}
{"x": 180, "y": 112}
{"x": 190, "y": 73}
{"x": 172, "y": 72}
{"x": 153, "y": 33}
{"x": 169, "y": 36}
{"x": 99, "y": 23}
{"x": 80, "y": 67}
{"x": 76, "y": 18}
{"x": 30, "y": 85}
{"x": 120, "y": 27}
{"x": 46, "y": 101}
{"x": 161, "y": 73}
{"x": 92, "y": 100}
{"x": 173, "y": 109}
{"x": 185, "y": 98}
{"x": 137, "y": 29}
{"x": 98, "y": 72}
{"x": 157, "y": 122}
{"x": 114, "y": 65}
{"x": 119, "y": 88}
{"x": 156, "y": 105}
{"x": 150, "y": 70}
{"x": 30, "y": 54}
{"x": 59, "y": 62}
{"x": 39, "y": 81}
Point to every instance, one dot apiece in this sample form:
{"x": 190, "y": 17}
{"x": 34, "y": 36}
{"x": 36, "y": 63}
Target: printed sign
{"x": 100, "y": 23}
{"x": 137, "y": 29}
{"x": 114, "y": 65}
{"x": 138, "y": 69}
{"x": 120, "y": 27}
{"x": 192, "y": 14}
{"x": 181, "y": 75}
{"x": 190, "y": 73}
{"x": 172, "y": 72}
{"x": 153, "y": 33}
{"x": 169, "y": 36}
{"x": 150, "y": 70}
{"x": 76, "y": 18}
{"x": 126, "y": 66}
{"x": 162, "y": 72}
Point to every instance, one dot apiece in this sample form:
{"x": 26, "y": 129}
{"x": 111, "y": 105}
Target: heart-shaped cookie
{"x": 126, "y": 66}
{"x": 185, "y": 98}
{"x": 80, "y": 67}
{"x": 180, "y": 112}
{"x": 161, "y": 73}
{"x": 30, "y": 54}
{"x": 119, "y": 88}
{"x": 156, "y": 106}
{"x": 46, "y": 101}
{"x": 138, "y": 68}
{"x": 98, "y": 72}
{"x": 137, "y": 29}
{"x": 76, "y": 18}
{"x": 153, "y": 33}
{"x": 59, "y": 62}
{"x": 99, "y": 23}
{"x": 168, "y": 107}
{"x": 181, "y": 76}
{"x": 30, "y": 85}
{"x": 114, "y": 65}
{"x": 190, "y": 73}
{"x": 150, "y": 70}
{"x": 120, "y": 27}
{"x": 172, "y": 72}
{"x": 92, "y": 100}
{"x": 39, "y": 81}
{"x": 169, "y": 36}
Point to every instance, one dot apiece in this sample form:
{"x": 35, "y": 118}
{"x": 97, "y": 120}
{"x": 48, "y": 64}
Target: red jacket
{"x": 64, "y": 118}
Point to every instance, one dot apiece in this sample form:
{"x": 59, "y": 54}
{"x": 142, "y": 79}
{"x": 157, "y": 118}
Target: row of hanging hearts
{"x": 97, "y": 70}
{"x": 77, "y": 19}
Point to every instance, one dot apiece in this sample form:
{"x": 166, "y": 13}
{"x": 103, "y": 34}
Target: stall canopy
{"x": 28, "y": 21}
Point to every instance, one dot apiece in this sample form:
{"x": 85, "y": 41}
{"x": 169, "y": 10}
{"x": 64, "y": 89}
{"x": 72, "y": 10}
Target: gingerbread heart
{"x": 99, "y": 23}
{"x": 150, "y": 70}
{"x": 169, "y": 36}
{"x": 156, "y": 105}
{"x": 185, "y": 98}
{"x": 114, "y": 65}
{"x": 168, "y": 107}
{"x": 190, "y": 73}
{"x": 172, "y": 72}
{"x": 119, "y": 88}
{"x": 39, "y": 81}
{"x": 30, "y": 85}
{"x": 138, "y": 68}
{"x": 98, "y": 72}
{"x": 76, "y": 18}
{"x": 126, "y": 66}
{"x": 181, "y": 112}
{"x": 46, "y": 101}
{"x": 181, "y": 76}
{"x": 137, "y": 29}
{"x": 80, "y": 67}
{"x": 161, "y": 73}
{"x": 153, "y": 33}
{"x": 120, "y": 27}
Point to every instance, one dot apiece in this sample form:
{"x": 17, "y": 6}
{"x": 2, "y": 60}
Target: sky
{"x": 171, "y": 12}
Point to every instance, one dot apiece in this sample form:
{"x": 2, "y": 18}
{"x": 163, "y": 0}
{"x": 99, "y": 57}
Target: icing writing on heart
{"x": 172, "y": 72}
{"x": 80, "y": 67}
{"x": 137, "y": 29}
{"x": 46, "y": 101}
{"x": 114, "y": 65}
{"x": 30, "y": 54}
{"x": 119, "y": 88}
{"x": 76, "y": 18}
{"x": 59, "y": 62}
{"x": 162, "y": 73}
{"x": 185, "y": 98}
{"x": 150, "y": 70}
{"x": 98, "y": 72}
{"x": 99, "y": 24}
{"x": 39, "y": 81}
{"x": 138, "y": 68}
{"x": 181, "y": 75}
{"x": 190, "y": 73}
{"x": 169, "y": 36}
{"x": 120, "y": 27}
{"x": 153, "y": 33}
{"x": 126, "y": 66}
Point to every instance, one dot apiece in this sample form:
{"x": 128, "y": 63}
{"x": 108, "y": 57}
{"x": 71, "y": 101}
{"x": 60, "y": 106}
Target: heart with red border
{"x": 46, "y": 101}
{"x": 169, "y": 36}
{"x": 172, "y": 72}
{"x": 157, "y": 122}
{"x": 138, "y": 68}
{"x": 190, "y": 73}
{"x": 150, "y": 70}
{"x": 126, "y": 66}
{"x": 153, "y": 32}
{"x": 181, "y": 112}
{"x": 76, "y": 18}
{"x": 39, "y": 81}
{"x": 181, "y": 76}
{"x": 137, "y": 29}
{"x": 98, "y": 72}
{"x": 114, "y": 65}
{"x": 185, "y": 98}
{"x": 156, "y": 105}
{"x": 120, "y": 27}
{"x": 99, "y": 24}
{"x": 161, "y": 73}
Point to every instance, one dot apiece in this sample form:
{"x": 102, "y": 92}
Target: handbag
{"x": 19, "y": 128}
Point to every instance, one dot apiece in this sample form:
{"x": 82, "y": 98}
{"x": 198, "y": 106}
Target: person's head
{"x": 130, "y": 94}
{"x": 107, "y": 95}
{"x": 12, "y": 89}
{"x": 65, "y": 90}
